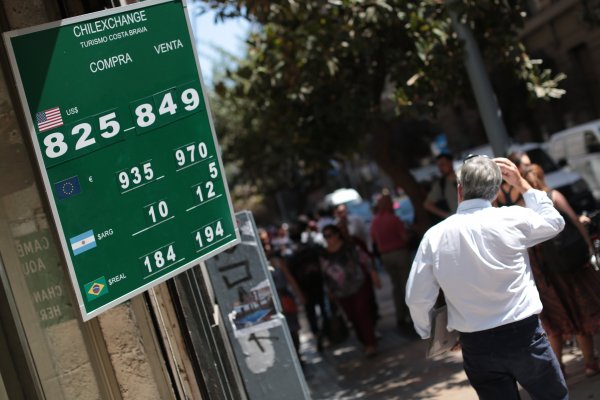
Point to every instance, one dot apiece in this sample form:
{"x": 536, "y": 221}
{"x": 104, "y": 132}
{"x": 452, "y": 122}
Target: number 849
{"x": 145, "y": 114}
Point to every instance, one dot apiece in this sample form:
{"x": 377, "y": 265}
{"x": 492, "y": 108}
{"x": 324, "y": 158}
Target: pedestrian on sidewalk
{"x": 305, "y": 265}
{"x": 353, "y": 227}
{"x": 478, "y": 258}
{"x": 288, "y": 290}
{"x": 391, "y": 238}
{"x": 345, "y": 268}
{"x": 354, "y": 230}
{"x": 441, "y": 200}
{"x": 570, "y": 296}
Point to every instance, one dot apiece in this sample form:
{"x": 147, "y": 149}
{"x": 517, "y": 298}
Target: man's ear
{"x": 459, "y": 192}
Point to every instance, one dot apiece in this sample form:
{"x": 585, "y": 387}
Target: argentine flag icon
{"x": 83, "y": 242}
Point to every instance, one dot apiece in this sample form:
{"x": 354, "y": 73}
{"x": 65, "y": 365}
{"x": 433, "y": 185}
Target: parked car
{"x": 579, "y": 148}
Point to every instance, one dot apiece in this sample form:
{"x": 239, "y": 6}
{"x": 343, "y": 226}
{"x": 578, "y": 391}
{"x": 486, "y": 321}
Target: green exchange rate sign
{"x": 123, "y": 136}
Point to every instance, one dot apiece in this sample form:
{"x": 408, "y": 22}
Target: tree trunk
{"x": 398, "y": 171}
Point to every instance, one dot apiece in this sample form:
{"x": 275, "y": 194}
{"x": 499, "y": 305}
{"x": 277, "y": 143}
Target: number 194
{"x": 208, "y": 234}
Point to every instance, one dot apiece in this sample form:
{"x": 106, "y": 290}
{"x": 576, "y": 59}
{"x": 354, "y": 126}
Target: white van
{"x": 579, "y": 147}
{"x": 568, "y": 182}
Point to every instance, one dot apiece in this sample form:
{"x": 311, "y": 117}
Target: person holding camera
{"x": 478, "y": 258}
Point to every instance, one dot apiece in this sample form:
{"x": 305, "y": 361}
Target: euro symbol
{"x": 91, "y": 179}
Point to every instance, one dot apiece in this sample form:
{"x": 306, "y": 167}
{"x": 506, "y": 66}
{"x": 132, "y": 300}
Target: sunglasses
{"x": 471, "y": 156}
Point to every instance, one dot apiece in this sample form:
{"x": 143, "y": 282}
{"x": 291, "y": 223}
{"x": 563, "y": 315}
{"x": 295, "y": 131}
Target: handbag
{"x": 337, "y": 332}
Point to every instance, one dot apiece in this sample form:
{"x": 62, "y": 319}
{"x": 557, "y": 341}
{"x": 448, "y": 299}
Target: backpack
{"x": 566, "y": 251}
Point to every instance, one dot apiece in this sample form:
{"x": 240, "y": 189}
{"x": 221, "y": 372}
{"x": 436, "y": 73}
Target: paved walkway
{"x": 400, "y": 370}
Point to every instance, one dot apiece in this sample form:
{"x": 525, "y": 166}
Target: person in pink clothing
{"x": 391, "y": 238}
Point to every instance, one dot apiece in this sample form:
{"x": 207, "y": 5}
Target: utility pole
{"x": 487, "y": 102}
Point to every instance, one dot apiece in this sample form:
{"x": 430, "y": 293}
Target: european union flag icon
{"x": 95, "y": 288}
{"x": 67, "y": 188}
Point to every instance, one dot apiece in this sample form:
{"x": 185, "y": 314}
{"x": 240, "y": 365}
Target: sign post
{"x": 123, "y": 137}
{"x": 251, "y": 315}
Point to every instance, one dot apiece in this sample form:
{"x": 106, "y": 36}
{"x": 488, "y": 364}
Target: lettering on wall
{"x": 44, "y": 277}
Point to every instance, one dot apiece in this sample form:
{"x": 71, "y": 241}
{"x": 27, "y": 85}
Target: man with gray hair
{"x": 478, "y": 258}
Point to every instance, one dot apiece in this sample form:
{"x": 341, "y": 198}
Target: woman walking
{"x": 345, "y": 268}
{"x": 571, "y": 298}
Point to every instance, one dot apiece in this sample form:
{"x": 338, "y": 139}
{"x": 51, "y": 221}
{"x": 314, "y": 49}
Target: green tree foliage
{"x": 324, "y": 78}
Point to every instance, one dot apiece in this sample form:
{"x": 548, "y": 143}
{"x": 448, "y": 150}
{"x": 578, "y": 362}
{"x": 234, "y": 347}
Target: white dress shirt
{"x": 478, "y": 257}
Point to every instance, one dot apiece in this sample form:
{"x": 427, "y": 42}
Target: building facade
{"x": 565, "y": 35}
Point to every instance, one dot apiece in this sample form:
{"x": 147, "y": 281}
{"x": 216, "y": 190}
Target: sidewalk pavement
{"x": 400, "y": 370}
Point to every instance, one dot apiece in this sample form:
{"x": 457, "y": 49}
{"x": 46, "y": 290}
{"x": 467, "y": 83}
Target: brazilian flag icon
{"x": 96, "y": 288}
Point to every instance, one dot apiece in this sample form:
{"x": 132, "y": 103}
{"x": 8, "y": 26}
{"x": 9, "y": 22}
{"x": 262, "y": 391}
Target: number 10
{"x": 163, "y": 211}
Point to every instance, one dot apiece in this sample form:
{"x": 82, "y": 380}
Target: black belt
{"x": 506, "y": 327}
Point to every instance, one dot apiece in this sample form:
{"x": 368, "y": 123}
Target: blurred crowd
{"x": 328, "y": 265}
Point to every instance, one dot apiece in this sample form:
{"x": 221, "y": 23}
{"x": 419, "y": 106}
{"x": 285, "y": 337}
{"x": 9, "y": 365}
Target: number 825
{"x": 55, "y": 143}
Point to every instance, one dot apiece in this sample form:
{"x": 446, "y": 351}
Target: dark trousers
{"x": 312, "y": 303}
{"x": 496, "y": 359}
{"x": 397, "y": 265}
{"x": 359, "y": 310}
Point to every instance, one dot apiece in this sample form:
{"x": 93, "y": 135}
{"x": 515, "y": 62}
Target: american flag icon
{"x": 48, "y": 119}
